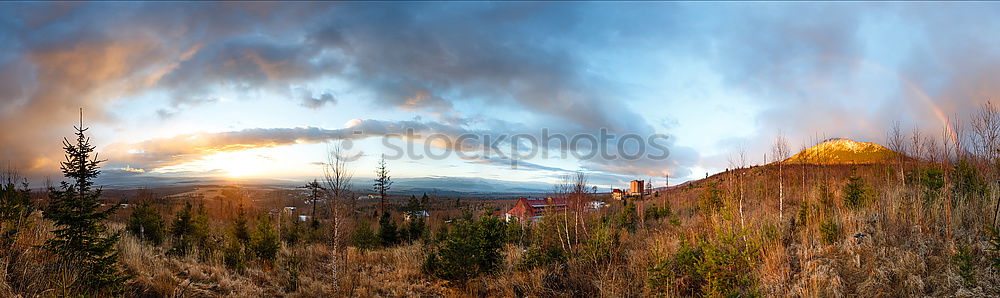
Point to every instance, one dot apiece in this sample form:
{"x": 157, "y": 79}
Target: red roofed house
{"x": 618, "y": 194}
{"x": 528, "y": 209}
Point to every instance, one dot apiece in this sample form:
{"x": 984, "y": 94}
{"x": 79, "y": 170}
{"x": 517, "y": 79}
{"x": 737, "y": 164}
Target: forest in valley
{"x": 919, "y": 220}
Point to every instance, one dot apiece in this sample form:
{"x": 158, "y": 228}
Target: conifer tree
{"x": 240, "y": 230}
{"x": 382, "y": 183}
{"x": 146, "y": 224}
{"x": 315, "y": 191}
{"x": 387, "y": 230}
{"x": 81, "y": 239}
{"x": 190, "y": 229}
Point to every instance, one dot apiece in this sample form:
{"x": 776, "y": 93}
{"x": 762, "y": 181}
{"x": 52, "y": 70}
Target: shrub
{"x": 415, "y": 229}
{"x": 518, "y": 233}
{"x": 241, "y": 232}
{"x": 722, "y": 267}
{"x": 964, "y": 262}
{"x": 234, "y": 255}
{"x": 15, "y": 200}
{"x": 190, "y": 229}
{"x": 656, "y": 213}
{"x": 932, "y": 179}
{"x": 388, "y": 233}
{"x": 628, "y": 217}
{"x": 711, "y": 199}
{"x": 292, "y": 232}
{"x": 856, "y": 192}
{"x": 829, "y": 231}
{"x": 266, "y": 242}
{"x": 15, "y": 206}
{"x": 146, "y": 224}
{"x": 967, "y": 180}
{"x": 601, "y": 246}
{"x": 291, "y": 268}
{"x": 537, "y": 256}
{"x": 994, "y": 245}
{"x": 470, "y": 249}
{"x": 800, "y": 220}
{"x": 363, "y": 237}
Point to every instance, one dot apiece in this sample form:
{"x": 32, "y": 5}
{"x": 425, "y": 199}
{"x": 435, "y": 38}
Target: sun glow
{"x": 237, "y": 164}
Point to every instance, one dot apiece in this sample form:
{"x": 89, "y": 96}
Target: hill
{"x": 843, "y": 151}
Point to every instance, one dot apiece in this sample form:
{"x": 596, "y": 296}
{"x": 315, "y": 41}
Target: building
{"x": 618, "y": 194}
{"x": 596, "y": 205}
{"x": 408, "y": 215}
{"x": 528, "y": 209}
{"x": 636, "y": 188}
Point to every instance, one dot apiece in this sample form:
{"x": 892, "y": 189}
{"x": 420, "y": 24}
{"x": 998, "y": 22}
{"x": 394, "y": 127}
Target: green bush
{"x": 967, "y": 182}
{"x": 717, "y": 268}
{"x": 932, "y": 179}
{"x": 15, "y": 201}
{"x": 602, "y": 245}
{"x": 146, "y": 224}
{"x": 964, "y": 262}
{"x": 190, "y": 230}
{"x": 363, "y": 237}
{"x": 15, "y": 206}
{"x": 241, "y": 232}
{"x": 292, "y": 232}
{"x": 829, "y": 231}
{"x": 993, "y": 234}
{"x": 536, "y": 257}
{"x": 234, "y": 255}
{"x": 800, "y": 220}
{"x": 655, "y": 213}
{"x": 710, "y": 200}
{"x": 628, "y": 217}
{"x": 266, "y": 242}
{"x": 518, "y": 233}
{"x": 471, "y": 248}
{"x": 856, "y": 192}
{"x": 415, "y": 229}
{"x": 388, "y": 233}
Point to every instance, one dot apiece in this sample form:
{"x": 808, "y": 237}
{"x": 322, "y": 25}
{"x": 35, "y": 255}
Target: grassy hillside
{"x": 839, "y": 230}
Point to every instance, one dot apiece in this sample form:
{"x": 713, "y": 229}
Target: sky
{"x": 263, "y": 90}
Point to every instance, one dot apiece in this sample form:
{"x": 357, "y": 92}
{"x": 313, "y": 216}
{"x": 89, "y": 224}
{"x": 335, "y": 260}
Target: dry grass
{"x": 906, "y": 247}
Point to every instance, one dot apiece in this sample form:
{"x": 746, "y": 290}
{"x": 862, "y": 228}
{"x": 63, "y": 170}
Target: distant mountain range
{"x": 441, "y": 186}
{"x": 832, "y": 151}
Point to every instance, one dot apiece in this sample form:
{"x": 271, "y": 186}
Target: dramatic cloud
{"x": 838, "y": 69}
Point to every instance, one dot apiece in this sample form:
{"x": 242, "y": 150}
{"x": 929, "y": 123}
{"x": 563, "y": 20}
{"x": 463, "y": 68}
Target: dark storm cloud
{"x": 504, "y": 55}
{"x": 58, "y": 57}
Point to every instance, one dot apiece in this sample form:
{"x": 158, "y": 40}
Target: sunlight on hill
{"x": 843, "y": 151}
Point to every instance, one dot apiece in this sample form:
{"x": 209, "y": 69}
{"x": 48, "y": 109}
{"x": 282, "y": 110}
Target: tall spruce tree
{"x": 81, "y": 240}
{"x": 382, "y": 183}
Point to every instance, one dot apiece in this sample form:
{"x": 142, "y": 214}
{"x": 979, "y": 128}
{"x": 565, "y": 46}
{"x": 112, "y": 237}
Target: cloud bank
{"x": 838, "y": 69}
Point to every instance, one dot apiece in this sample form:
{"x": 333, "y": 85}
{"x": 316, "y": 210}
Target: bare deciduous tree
{"x": 779, "y": 152}
{"x": 562, "y": 191}
{"x": 986, "y": 135}
{"x": 897, "y": 143}
{"x": 337, "y": 178}
{"x": 916, "y": 143}
{"x": 739, "y": 161}
{"x": 578, "y": 196}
